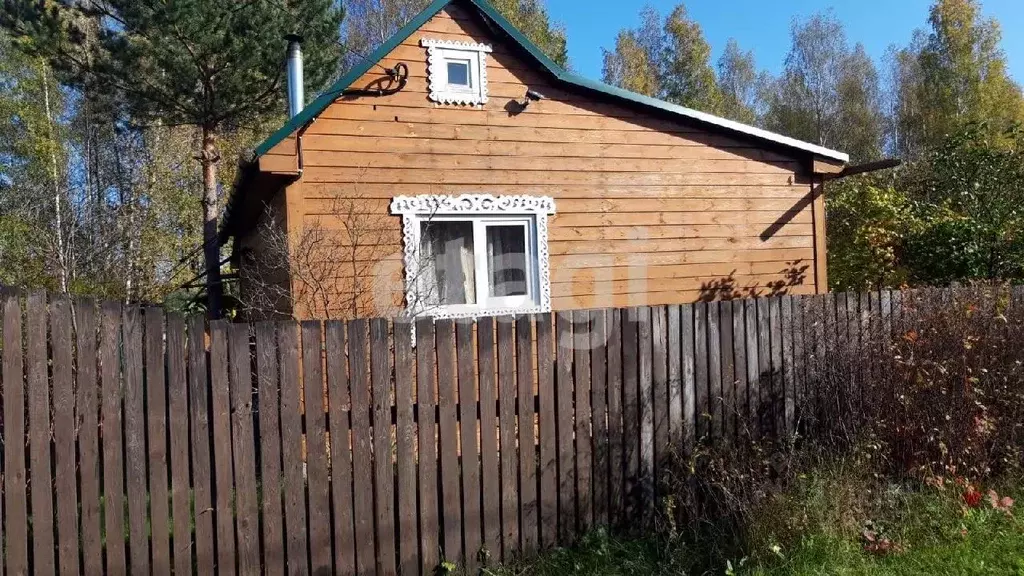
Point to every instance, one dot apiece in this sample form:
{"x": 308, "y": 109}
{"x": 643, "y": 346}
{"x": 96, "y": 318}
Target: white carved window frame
{"x": 418, "y": 209}
{"x": 439, "y": 53}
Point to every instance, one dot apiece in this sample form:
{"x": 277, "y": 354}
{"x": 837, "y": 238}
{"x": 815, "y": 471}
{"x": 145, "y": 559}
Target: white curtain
{"x": 446, "y": 263}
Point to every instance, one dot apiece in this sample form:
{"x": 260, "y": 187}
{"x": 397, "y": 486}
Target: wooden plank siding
{"x": 649, "y": 210}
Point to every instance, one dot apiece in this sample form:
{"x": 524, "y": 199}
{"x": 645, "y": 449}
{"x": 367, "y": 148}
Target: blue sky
{"x": 763, "y": 25}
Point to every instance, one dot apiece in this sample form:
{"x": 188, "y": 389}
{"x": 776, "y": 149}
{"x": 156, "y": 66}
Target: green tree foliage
{"x": 955, "y": 215}
{"x": 369, "y": 23}
{"x": 667, "y": 59}
{"x": 211, "y": 65}
{"x": 827, "y": 94}
{"x": 532, "y": 19}
{"x": 688, "y": 77}
{"x": 739, "y": 82}
{"x": 630, "y": 66}
{"x": 635, "y": 64}
{"x": 963, "y": 74}
{"x": 866, "y": 221}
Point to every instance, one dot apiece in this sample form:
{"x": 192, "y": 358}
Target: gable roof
{"x": 570, "y": 80}
{"x": 325, "y": 99}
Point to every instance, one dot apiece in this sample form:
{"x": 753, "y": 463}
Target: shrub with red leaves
{"x": 972, "y": 497}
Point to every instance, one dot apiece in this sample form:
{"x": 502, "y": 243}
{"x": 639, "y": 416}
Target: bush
{"x": 933, "y": 390}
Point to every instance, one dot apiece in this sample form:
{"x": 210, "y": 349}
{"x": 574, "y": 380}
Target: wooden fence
{"x": 138, "y": 442}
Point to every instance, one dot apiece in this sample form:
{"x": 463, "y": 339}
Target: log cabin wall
{"x": 649, "y": 210}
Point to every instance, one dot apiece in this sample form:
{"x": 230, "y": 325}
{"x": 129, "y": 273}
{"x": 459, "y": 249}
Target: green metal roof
{"x": 317, "y": 106}
{"x": 324, "y": 100}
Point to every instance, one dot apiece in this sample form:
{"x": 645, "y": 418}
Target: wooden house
{"x": 459, "y": 172}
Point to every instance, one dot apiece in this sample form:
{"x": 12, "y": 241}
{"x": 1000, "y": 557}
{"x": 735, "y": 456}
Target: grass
{"x": 817, "y": 529}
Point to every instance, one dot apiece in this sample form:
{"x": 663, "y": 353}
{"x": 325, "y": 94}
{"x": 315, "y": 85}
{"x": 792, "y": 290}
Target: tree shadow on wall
{"x": 727, "y": 288}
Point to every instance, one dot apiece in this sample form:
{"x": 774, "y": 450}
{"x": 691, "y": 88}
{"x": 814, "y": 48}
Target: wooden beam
{"x": 820, "y": 252}
{"x": 823, "y": 166}
{"x": 285, "y": 164}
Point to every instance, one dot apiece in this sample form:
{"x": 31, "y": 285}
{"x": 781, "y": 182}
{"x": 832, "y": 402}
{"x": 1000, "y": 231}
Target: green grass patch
{"x": 821, "y": 527}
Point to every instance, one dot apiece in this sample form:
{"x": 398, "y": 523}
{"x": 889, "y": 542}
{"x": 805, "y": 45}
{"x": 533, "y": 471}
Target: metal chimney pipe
{"x": 296, "y": 95}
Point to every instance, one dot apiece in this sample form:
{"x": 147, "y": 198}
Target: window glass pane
{"x": 458, "y": 73}
{"x": 447, "y": 265}
{"x": 506, "y": 260}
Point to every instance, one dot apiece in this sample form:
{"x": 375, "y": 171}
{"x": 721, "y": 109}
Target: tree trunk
{"x": 211, "y": 246}
{"x": 62, "y": 256}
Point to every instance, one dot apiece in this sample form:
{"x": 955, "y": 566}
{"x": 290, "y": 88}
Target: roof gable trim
{"x": 318, "y": 105}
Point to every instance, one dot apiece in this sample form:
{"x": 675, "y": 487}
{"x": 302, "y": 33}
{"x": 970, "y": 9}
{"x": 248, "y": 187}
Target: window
{"x": 475, "y": 255}
{"x": 457, "y": 71}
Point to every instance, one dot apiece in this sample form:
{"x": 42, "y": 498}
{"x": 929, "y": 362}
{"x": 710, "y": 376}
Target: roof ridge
{"x": 314, "y": 108}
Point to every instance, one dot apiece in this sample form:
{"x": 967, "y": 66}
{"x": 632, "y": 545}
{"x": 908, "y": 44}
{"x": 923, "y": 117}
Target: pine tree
{"x": 212, "y": 65}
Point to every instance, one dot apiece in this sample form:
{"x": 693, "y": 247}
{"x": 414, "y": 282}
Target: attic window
{"x": 475, "y": 254}
{"x": 457, "y": 71}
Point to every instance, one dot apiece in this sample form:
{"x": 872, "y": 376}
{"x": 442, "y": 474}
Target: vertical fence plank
{"x": 714, "y": 361}
{"x": 291, "y": 450}
{"x": 864, "y": 332}
{"x": 243, "y": 451}
{"x": 548, "y": 486}
{"x": 177, "y": 404}
{"x": 675, "y": 378}
{"x": 87, "y": 423}
{"x": 752, "y": 422}
{"x": 739, "y": 350}
{"x": 426, "y": 403}
{"x": 492, "y": 473}
{"x": 316, "y": 448}
{"x": 135, "y": 442}
{"x": 362, "y": 463}
{"x": 156, "y": 421}
{"x": 268, "y": 385}
{"x": 830, "y": 340}
{"x": 811, "y": 310}
{"x": 528, "y": 503}
{"x": 40, "y": 479}
{"x": 687, "y": 340}
{"x": 599, "y": 407}
{"x": 5, "y": 342}
{"x": 582, "y": 419}
{"x": 383, "y": 470}
{"x": 469, "y": 437}
{"x": 509, "y": 457}
{"x": 220, "y": 424}
{"x": 409, "y": 562}
{"x": 764, "y": 367}
{"x": 874, "y": 334}
{"x": 645, "y": 355}
{"x": 787, "y": 396}
{"x": 799, "y": 355}
{"x": 615, "y": 432}
{"x": 202, "y": 476}
{"x": 64, "y": 435}
{"x": 777, "y": 370}
{"x": 447, "y": 397}
{"x": 15, "y": 488}
{"x": 630, "y": 410}
{"x": 339, "y": 403}
{"x": 659, "y": 374}
{"x": 702, "y": 408}
{"x": 728, "y": 371}
{"x": 564, "y": 415}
